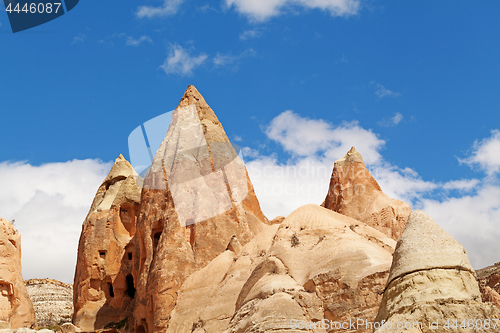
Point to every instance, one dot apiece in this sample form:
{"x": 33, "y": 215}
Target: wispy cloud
{"x": 384, "y": 92}
{"x": 262, "y": 10}
{"x": 79, "y": 38}
{"x": 180, "y": 62}
{"x": 393, "y": 121}
{"x": 252, "y": 33}
{"x": 131, "y": 41}
{"x": 486, "y": 154}
{"x": 230, "y": 60}
{"x": 169, "y": 7}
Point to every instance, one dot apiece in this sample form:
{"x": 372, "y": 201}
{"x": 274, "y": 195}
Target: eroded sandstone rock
{"x": 489, "y": 283}
{"x": 103, "y": 287}
{"x": 196, "y": 197}
{"x": 52, "y": 301}
{"x": 355, "y": 193}
{"x": 315, "y": 265}
{"x": 16, "y": 308}
{"x": 431, "y": 281}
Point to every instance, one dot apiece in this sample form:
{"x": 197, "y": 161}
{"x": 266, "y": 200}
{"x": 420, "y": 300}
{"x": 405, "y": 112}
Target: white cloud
{"x": 180, "y": 62}
{"x": 486, "y": 154}
{"x": 49, "y": 203}
{"x": 383, "y": 92}
{"x": 79, "y": 38}
{"x": 131, "y": 41}
{"x": 473, "y": 221}
{"x": 305, "y": 137}
{"x": 230, "y": 60}
{"x": 247, "y": 34}
{"x": 237, "y": 138}
{"x": 393, "y": 121}
{"x": 261, "y": 10}
{"x": 170, "y": 7}
{"x": 471, "y": 215}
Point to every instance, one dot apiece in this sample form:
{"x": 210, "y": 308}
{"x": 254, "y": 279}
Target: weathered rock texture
{"x": 355, "y": 193}
{"x": 103, "y": 287}
{"x": 489, "y": 284}
{"x": 315, "y": 265}
{"x": 431, "y": 280}
{"x": 15, "y": 306}
{"x": 52, "y": 301}
{"x": 197, "y": 196}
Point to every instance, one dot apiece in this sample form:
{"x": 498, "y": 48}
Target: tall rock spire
{"x": 102, "y": 290}
{"x": 196, "y": 197}
{"x": 355, "y": 193}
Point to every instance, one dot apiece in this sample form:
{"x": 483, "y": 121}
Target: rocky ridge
{"x": 52, "y": 301}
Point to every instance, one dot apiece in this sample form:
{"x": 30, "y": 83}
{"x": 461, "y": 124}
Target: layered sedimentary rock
{"x": 431, "y": 284}
{"x": 52, "y": 301}
{"x": 197, "y": 197}
{"x": 489, "y": 284}
{"x": 316, "y": 265}
{"x": 103, "y": 286}
{"x": 16, "y": 308}
{"x": 355, "y": 193}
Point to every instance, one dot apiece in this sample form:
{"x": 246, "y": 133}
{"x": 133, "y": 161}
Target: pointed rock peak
{"x": 205, "y": 113}
{"x": 424, "y": 245}
{"x": 352, "y": 156}
{"x": 121, "y": 169}
{"x": 192, "y": 96}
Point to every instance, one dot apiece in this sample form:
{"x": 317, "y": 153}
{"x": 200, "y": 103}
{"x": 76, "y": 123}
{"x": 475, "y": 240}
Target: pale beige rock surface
{"x": 52, "y": 301}
{"x": 15, "y": 306}
{"x": 355, "y": 193}
{"x": 316, "y": 264}
{"x": 431, "y": 279}
{"x": 103, "y": 287}
{"x": 196, "y": 197}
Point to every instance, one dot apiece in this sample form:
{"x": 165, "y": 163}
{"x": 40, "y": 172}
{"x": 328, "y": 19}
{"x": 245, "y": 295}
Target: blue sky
{"x": 413, "y": 85}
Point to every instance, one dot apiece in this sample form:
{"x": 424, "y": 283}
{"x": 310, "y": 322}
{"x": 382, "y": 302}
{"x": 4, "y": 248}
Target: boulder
{"x": 431, "y": 284}
{"x": 197, "y": 196}
{"x": 103, "y": 286}
{"x": 16, "y": 308}
{"x": 52, "y": 301}
{"x": 355, "y": 193}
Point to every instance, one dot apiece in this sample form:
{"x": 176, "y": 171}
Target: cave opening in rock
{"x": 140, "y": 329}
{"x": 156, "y": 239}
{"x": 111, "y": 292}
{"x": 102, "y": 254}
{"x": 129, "y": 255}
{"x": 130, "y": 286}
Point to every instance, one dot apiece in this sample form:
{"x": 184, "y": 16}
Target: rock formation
{"x": 316, "y": 265}
{"x": 489, "y": 284}
{"x": 16, "y": 309}
{"x": 197, "y": 196}
{"x": 103, "y": 287}
{"x": 431, "y": 284}
{"x": 355, "y": 193}
{"x": 52, "y": 301}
